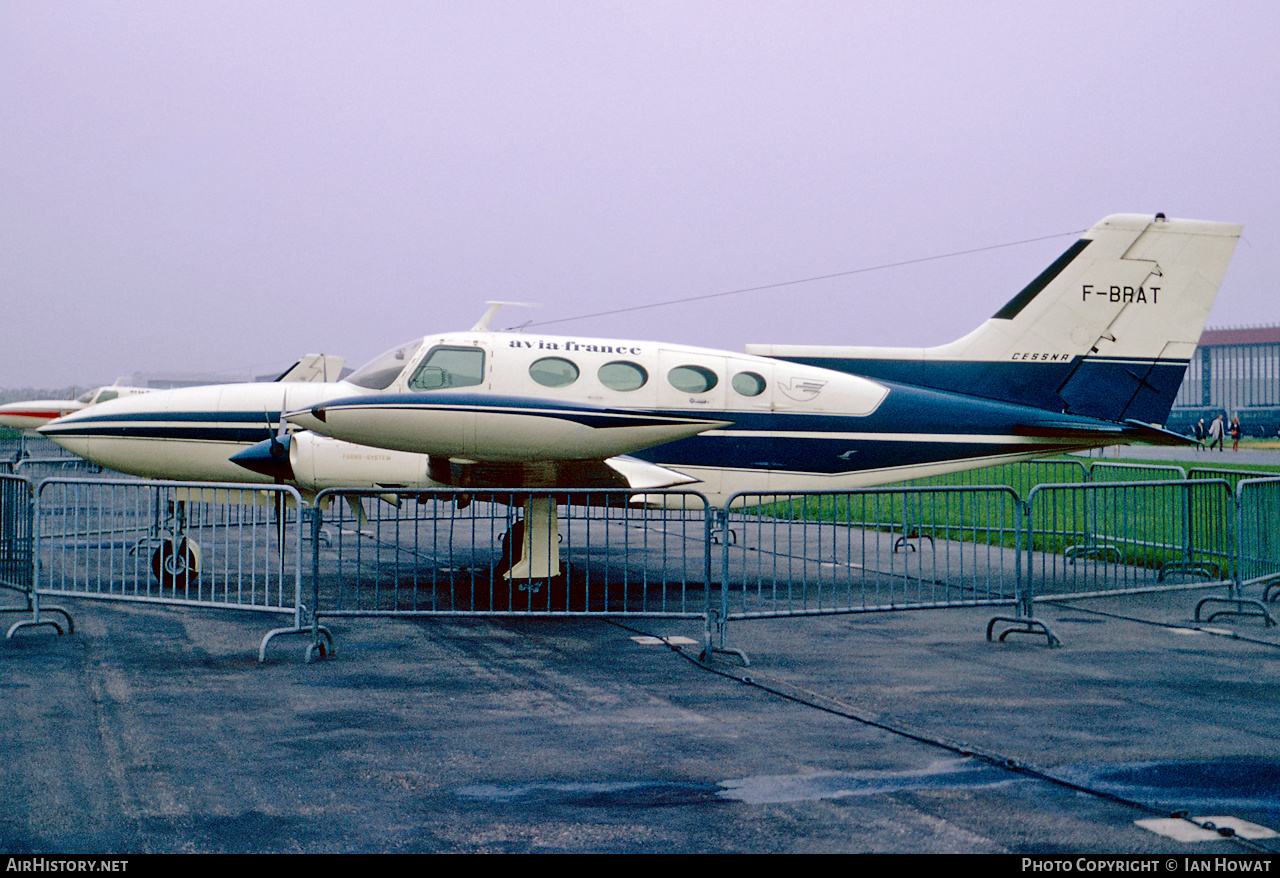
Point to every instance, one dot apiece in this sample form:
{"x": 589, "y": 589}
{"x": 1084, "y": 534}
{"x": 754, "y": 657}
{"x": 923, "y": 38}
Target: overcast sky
{"x": 225, "y": 186}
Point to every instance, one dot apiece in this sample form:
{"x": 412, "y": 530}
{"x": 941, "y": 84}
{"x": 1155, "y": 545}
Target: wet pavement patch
{"x": 763, "y": 789}
{"x": 1246, "y": 782}
{"x": 944, "y": 774}
{"x": 635, "y": 794}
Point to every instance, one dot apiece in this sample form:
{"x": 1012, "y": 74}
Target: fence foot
{"x": 1098, "y": 551}
{"x": 320, "y": 646}
{"x": 1269, "y": 596}
{"x": 35, "y": 621}
{"x": 1239, "y": 610}
{"x": 1210, "y": 570}
{"x": 1023, "y": 626}
{"x": 904, "y": 541}
{"x": 713, "y": 651}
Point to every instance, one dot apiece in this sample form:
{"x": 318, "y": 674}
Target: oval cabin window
{"x": 553, "y": 372}
{"x": 748, "y": 383}
{"x": 692, "y": 379}
{"x": 623, "y": 376}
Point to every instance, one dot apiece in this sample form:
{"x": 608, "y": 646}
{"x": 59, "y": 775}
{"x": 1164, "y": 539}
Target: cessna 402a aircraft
{"x": 1090, "y": 353}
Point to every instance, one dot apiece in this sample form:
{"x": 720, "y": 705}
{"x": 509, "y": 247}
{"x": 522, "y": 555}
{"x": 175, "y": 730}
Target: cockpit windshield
{"x": 380, "y": 372}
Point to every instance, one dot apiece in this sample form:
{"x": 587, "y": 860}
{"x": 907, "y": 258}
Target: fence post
{"x": 1024, "y": 585}
{"x": 1023, "y": 621}
{"x": 31, "y": 514}
{"x": 1234, "y": 538}
{"x": 1188, "y": 531}
{"x": 717, "y": 618}
{"x": 1021, "y": 532}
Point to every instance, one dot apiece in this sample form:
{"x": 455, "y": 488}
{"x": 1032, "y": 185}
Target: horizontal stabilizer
{"x": 1153, "y": 435}
{"x": 1105, "y": 433}
{"x": 315, "y": 367}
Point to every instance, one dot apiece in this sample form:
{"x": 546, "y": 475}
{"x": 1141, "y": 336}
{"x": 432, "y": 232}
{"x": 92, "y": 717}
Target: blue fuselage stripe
{"x": 790, "y": 441}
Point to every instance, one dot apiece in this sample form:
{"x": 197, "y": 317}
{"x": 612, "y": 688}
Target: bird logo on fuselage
{"x": 802, "y": 389}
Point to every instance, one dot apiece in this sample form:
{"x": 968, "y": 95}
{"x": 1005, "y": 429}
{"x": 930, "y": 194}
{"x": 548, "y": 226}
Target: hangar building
{"x": 1233, "y": 371}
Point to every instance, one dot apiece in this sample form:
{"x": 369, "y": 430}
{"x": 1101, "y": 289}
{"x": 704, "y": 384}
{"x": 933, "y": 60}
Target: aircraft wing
{"x": 476, "y": 439}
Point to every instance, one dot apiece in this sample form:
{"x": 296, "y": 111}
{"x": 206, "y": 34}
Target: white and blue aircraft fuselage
{"x": 1091, "y": 353}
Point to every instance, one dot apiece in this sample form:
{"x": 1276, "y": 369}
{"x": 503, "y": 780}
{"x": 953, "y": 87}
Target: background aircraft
{"x": 31, "y": 414}
{"x": 1090, "y": 353}
{"x": 35, "y": 413}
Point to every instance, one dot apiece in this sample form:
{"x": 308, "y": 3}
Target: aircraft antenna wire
{"x": 804, "y": 280}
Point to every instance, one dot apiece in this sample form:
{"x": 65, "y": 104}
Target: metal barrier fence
{"x": 1127, "y": 536}
{"x": 663, "y": 554}
{"x": 867, "y": 550}
{"x": 1227, "y": 473}
{"x": 37, "y": 468}
{"x": 1113, "y": 471}
{"x": 455, "y": 552}
{"x": 225, "y": 546}
{"x": 1021, "y": 476}
{"x": 26, "y": 445}
{"x": 16, "y": 533}
{"x": 1258, "y": 532}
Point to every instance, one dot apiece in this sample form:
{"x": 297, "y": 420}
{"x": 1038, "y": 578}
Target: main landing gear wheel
{"x": 176, "y": 565}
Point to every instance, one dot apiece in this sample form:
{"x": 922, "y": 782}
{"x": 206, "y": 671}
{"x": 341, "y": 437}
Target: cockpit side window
{"x": 449, "y": 367}
{"x": 381, "y": 372}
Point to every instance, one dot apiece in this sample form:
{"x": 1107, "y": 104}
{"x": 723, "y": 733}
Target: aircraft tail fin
{"x": 315, "y": 367}
{"x": 1105, "y": 331}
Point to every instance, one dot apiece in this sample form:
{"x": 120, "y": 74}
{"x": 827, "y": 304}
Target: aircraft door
{"x": 751, "y": 452}
{"x": 690, "y": 381}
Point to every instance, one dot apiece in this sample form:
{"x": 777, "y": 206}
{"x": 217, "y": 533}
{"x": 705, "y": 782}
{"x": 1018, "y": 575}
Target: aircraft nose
{"x": 270, "y": 458}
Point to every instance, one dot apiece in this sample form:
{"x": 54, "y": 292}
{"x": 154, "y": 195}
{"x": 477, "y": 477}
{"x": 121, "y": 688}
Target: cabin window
{"x": 622, "y": 375}
{"x": 553, "y": 372}
{"x": 692, "y": 379}
{"x": 449, "y": 367}
{"x": 748, "y": 383}
{"x": 382, "y": 371}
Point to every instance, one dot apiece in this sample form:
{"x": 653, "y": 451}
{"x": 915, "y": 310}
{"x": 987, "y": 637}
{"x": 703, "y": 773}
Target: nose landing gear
{"x": 176, "y": 563}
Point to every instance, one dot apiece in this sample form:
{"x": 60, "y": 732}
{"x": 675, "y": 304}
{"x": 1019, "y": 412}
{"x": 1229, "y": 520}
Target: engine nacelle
{"x": 319, "y": 462}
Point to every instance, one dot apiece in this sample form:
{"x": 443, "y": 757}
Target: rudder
{"x": 1106, "y": 331}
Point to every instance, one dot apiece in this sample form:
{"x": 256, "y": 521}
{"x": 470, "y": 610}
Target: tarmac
{"x": 154, "y": 729}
